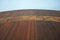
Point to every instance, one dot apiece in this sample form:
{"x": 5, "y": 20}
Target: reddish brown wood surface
{"x": 29, "y": 29}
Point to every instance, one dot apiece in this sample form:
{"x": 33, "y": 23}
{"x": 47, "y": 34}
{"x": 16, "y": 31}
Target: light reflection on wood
{"x": 25, "y": 18}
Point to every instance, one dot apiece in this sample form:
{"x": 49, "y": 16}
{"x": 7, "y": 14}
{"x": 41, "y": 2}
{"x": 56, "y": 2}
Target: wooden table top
{"x": 30, "y": 25}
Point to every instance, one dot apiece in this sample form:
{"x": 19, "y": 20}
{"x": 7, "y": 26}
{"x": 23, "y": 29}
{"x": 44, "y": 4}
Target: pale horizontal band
{"x": 23, "y": 18}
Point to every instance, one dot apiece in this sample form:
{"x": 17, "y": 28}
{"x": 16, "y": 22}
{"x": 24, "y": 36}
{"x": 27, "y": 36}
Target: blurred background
{"x": 7, "y": 5}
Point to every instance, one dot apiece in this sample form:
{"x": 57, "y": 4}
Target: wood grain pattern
{"x": 26, "y": 18}
{"x": 30, "y": 30}
{"x": 30, "y": 25}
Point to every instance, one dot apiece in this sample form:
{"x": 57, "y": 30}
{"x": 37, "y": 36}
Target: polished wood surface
{"x": 30, "y": 30}
{"x": 39, "y": 25}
